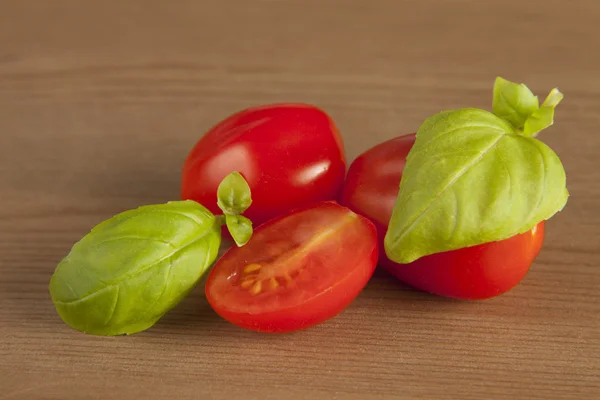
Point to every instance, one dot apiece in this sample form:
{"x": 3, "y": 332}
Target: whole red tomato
{"x": 290, "y": 155}
{"x": 477, "y": 272}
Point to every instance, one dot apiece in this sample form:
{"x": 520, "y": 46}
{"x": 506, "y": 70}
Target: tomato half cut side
{"x": 297, "y": 270}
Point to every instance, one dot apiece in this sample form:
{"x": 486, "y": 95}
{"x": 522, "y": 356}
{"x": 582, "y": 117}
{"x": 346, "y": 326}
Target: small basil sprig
{"x": 131, "y": 269}
{"x": 474, "y": 177}
{"x": 519, "y": 106}
{"x": 233, "y": 197}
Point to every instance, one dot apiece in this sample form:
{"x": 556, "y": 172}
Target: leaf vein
{"x": 164, "y": 289}
{"x": 114, "y": 308}
{"x": 510, "y": 180}
{"x": 456, "y": 213}
{"x": 138, "y": 272}
{"x": 448, "y": 185}
{"x": 196, "y": 221}
{"x": 535, "y": 209}
{"x": 135, "y": 238}
{"x": 439, "y": 135}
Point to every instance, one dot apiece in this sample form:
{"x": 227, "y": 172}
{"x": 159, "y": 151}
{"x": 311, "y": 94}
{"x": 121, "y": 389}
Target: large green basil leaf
{"x": 471, "y": 179}
{"x": 133, "y": 268}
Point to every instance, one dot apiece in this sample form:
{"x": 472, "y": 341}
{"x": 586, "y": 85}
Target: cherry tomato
{"x": 296, "y": 271}
{"x": 477, "y": 272}
{"x": 290, "y": 154}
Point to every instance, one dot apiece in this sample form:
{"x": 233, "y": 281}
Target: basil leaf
{"x": 233, "y": 194}
{"x": 240, "y": 228}
{"x": 513, "y": 102}
{"x": 471, "y": 179}
{"x": 543, "y": 117}
{"x": 518, "y": 105}
{"x": 131, "y": 269}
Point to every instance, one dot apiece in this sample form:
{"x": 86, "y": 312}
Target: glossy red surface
{"x": 290, "y": 154}
{"x": 477, "y": 272}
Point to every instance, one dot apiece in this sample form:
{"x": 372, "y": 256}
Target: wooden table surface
{"x": 101, "y": 101}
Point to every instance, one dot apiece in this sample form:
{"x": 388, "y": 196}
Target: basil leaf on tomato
{"x": 473, "y": 177}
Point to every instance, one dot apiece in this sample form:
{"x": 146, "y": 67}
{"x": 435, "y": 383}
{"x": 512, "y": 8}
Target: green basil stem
{"x": 233, "y": 198}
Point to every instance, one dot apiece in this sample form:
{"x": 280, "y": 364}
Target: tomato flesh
{"x": 296, "y": 271}
{"x": 476, "y": 272}
{"x": 290, "y": 154}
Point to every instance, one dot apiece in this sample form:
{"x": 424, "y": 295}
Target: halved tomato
{"x": 296, "y": 271}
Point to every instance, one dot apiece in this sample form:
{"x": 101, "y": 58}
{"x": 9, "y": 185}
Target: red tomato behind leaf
{"x": 296, "y": 271}
{"x": 477, "y": 272}
{"x": 290, "y": 155}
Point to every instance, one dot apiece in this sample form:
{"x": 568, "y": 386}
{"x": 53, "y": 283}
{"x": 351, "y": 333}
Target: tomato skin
{"x": 473, "y": 273}
{"x": 290, "y": 154}
{"x": 470, "y": 273}
{"x": 332, "y": 271}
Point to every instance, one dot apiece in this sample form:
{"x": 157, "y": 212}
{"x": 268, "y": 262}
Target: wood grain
{"x": 100, "y": 102}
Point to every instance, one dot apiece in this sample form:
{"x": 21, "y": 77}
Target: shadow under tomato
{"x": 385, "y": 285}
{"x": 194, "y": 314}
